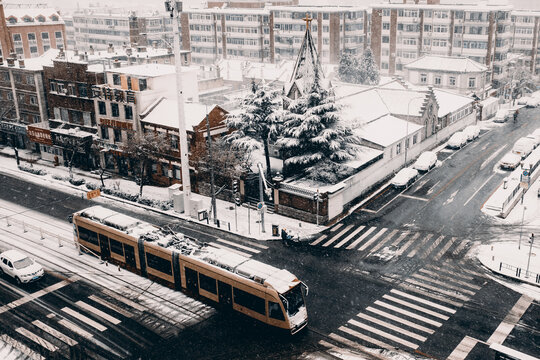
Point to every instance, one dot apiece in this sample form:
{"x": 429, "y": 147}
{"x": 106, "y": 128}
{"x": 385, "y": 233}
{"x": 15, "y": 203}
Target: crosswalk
{"x": 407, "y": 315}
{"x": 244, "y": 249}
{"x": 371, "y": 240}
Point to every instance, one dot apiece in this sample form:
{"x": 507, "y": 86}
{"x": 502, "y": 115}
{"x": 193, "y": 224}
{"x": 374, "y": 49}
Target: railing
{"x": 517, "y": 271}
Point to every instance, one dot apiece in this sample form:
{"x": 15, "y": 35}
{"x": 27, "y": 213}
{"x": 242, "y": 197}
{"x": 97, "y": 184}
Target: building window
{"x": 117, "y": 135}
{"x": 58, "y": 34}
{"x": 102, "y": 108}
{"x": 472, "y": 82}
{"x": 53, "y": 86}
{"x": 33, "y": 100}
{"x": 437, "y": 80}
{"x": 423, "y": 78}
{"x": 174, "y": 142}
{"x": 114, "y": 110}
{"x": 83, "y": 91}
{"x": 105, "y": 133}
{"x": 30, "y": 79}
{"x": 415, "y": 139}
{"x": 45, "y": 35}
{"x": 384, "y": 66}
{"x": 116, "y": 79}
{"x": 386, "y": 39}
{"x": 452, "y": 81}
{"x": 129, "y": 112}
{"x": 142, "y": 84}
{"x": 398, "y": 149}
{"x": 386, "y": 26}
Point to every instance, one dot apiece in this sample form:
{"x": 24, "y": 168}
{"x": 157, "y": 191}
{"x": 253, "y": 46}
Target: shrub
{"x": 60, "y": 177}
{"x": 77, "y": 182}
{"x": 32, "y": 170}
{"x": 159, "y": 204}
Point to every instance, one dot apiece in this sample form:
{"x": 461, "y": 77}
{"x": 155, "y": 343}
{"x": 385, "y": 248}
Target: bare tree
{"x": 144, "y": 148}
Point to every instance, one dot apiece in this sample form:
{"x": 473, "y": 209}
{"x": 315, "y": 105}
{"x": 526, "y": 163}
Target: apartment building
{"x": 273, "y": 33}
{"x": 525, "y": 32}
{"x": 30, "y": 30}
{"x": 401, "y": 33}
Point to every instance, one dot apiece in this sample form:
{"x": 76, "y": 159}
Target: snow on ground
{"x": 225, "y": 210}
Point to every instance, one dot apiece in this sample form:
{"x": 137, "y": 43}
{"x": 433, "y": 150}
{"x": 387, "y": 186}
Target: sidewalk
{"x": 225, "y": 210}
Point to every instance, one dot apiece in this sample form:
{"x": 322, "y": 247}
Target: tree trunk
{"x": 101, "y": 172}
{"x": 142, "y": 178}
{"x": 71, "y": 164}
{"x": 267, "y": 156}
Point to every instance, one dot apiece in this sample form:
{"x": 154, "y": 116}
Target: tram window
{"x": 275, "y": 311}
{"x": 88, "y": 236}
{"x": 207, "y": 283}
{"x": 117, "y": 247}
{"x": 249, "y": 301}
{"x": 158, "y": 263}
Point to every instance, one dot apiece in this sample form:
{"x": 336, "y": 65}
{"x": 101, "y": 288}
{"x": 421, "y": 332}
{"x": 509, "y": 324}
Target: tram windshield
{"x": 293, "y": 300}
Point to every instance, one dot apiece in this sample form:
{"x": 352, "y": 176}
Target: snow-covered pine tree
{"x": 369, "y": 72}
{"x": 348, "y": 68}
{"x": 313, "y": 140}
{"x": 257, "y": 121}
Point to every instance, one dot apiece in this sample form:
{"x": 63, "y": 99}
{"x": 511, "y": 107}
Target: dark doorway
{"x": 225, "y": 295}
{"x": 192, "y": 281}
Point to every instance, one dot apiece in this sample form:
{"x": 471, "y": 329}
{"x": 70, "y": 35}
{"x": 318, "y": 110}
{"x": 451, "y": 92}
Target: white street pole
{"x": 175, "y": 8}
{"x": 529, "y": 260}
{"x": 521, "y": 231}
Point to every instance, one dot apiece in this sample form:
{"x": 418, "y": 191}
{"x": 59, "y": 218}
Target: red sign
{"x": 93, "y": 194}
{"x": 116, "y": 124}
{"x": 39, "y": 135}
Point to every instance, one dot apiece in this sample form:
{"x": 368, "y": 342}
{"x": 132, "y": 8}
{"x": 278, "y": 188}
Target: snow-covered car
{"x": 426, "y": 161}
{"x": 472, "y": 132}
{"x": 510, "y": 161}
{"x": 404, "y": 177}
{"x": 523, "y": 147}
{"x": 534, "y": 137}
{"x": 533, "y": 102}
{"x": 501, "y": 116}
{"x": 457, "y": 140}
{"x": 523, "y": 100}
{"x": 20, "y": 267}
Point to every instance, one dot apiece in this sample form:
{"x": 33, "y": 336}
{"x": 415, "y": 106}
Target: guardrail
{"x": 42, "y": 233}
{"x": 517, "y": 271}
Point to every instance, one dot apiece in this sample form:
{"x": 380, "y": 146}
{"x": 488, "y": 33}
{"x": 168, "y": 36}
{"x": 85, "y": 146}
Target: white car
{"x": 404, "y": 177}
{"x": 426, "y": 161}
{"x": 20, "y": 267}
{"x": 533, "y": 102}
{"x": 457, "y": 141}
{"x": 523, "y": 100}
{"x": 472, "y": 132}
{"x": 535, "y": 136}
{"x": 501, "y": 116}
{"x": 510, "y": 161}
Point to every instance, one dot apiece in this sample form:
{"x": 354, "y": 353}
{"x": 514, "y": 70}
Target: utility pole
{"x": 175, "y": 8}
{"x": 261, "y": 197}
{"x": 530, "y": 250}
{"x": 212, "y": 191}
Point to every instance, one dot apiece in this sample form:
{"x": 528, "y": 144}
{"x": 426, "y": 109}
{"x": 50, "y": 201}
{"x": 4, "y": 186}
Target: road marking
{"x": 414, "y": 197}
{"x": 432, "y": 247}
{"x": 449, "y": 272}
{"x": 37, "y": 294}
{"x": 260, "y": 246}
{"x": 38, "y": 340}
{"x": 415, "y": 307}
{"x": 383, "y": 241}
{"x": 480, "y": 188}
{"x": 432, "y": 189}
{"x": 408, "y": 243}
{"x": 111, "y": 306}
{"x": 360, "y": 336}
{"x": 335, "y": 228}
{"x": 124, "y": 300}
{"x": 361, "y": 238}
{"x": 21, "y": 347}
{"x": 71, "y": 326}
{"x": 373, "y": 239}
{"x": 84, "y": 318}
{"x": 239, "y": 246}
{"x": 57, "y": 334}
{"x": 422, "y": 242}
{"x": 451, "y": 198}
{"x": 98, "y": 312}
{"x": 408, "y": 313}
{"x": 383, "y": 334}
{"x": 401, "y": 237}
{"x": 484, "y": 164}
{"x": 439, "y": 290}
{"x": 409, "y": 287}
{"x": 446, "y": 278}
{"x": 321, "y": 238}
{"x": 231, "y": 250}
{"x": 338, "y": 235}
{"x": 392, "y": 327}
{"x": 424, "y": 301}
{"x": 420, "y": 184}
{"x": 400, "y": 320}
{"x": 460, "y": 247}
{"x": 463, "y": 349}
{"x": 444, "y": 249}
{"x": 368, "y": 210}
{"x": 351, "y": 235}
{"x": 510, "y": 320}
{"x": 445, "y": 284}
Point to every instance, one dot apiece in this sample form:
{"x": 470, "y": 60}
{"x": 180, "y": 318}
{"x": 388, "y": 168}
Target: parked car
{"x": 510, "y": 161}
{"x": 535, "y": 138}
{"x": 501, "y": 116}
{"x": 20, "y": 267}
{"x": 533, "y": 102}
{"x": 426, "y": 161}
{"x": 523, "y": 147}
{"x": 523, "y": 100}
{"x": 404, "y": 177}
{"x": 457, "y": 141}
{"x": 472, "y": 132}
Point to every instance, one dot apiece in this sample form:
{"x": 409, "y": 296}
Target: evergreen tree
{"x": 313, "y": 141}
{"x": 349, "y": 68}
{"x": 257, "y": 122}
{"x": 369, "y": 72}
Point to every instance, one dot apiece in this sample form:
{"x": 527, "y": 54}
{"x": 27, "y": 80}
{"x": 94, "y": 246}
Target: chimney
{"x": 21, "y": 63}
{"x": 61, "y": 54}
{"x": 110, "y": 49}
{"x": 91, "y": 50}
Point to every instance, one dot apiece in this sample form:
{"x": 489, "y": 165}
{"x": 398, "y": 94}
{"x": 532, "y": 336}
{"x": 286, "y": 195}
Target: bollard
{"x": 59, "y": 241}
{"x": 118, "y": 267}
{"x": 41, "y": 234}
{"x": 24, "y": 227}
{"x": 493, "y": 258}
{"x": 106, "y": 263}
{"x": 500, "y": 266}
{"x": 7, "y": 221}
{"x": 491, "y": 247}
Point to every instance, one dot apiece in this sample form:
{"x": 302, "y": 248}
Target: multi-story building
{"x": 30, "y": 30}
{"x": 401, "y": 33}
{"x": 525, "y": 32}
{"x": 273, "y": 33}
{"x": 70, "y": 31}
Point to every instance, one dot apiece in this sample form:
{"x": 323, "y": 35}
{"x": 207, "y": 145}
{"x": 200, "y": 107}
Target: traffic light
{"x": 236, "y": 194}
{"x": 237, "y": 200}
{"x": 235, "y": 186}
{"x": 316, "y": 196}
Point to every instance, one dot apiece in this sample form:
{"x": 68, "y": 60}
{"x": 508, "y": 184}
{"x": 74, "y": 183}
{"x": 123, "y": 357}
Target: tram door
{"x": 129, "y": 253}
{"x": 225, "y": 294}
{"x": 192, "y": 281}
{"x": 104, "y": 245}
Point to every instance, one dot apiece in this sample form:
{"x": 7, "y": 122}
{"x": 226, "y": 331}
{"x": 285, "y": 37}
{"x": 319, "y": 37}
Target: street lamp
{"x": 529, "y": 259}
{"x": 407, "y": 125}
{"x": 521, "y": 231}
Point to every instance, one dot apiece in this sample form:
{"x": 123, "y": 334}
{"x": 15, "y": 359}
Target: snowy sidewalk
{"x": 247, "y": 220}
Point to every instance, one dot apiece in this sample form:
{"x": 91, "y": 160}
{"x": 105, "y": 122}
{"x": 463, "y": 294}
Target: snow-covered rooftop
{"x": 387, "y": 130}
{"x": 450, "y": 102}
{"x": 35, "y": 13}
{"x": 148, "y": 70}
{"x": 37, "y": 63}
{"x": 441, "y": 63}
{"x": 165, "y": 113}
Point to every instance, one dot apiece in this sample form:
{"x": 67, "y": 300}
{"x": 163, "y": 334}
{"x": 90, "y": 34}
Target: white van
{"x": 523, "y": 147}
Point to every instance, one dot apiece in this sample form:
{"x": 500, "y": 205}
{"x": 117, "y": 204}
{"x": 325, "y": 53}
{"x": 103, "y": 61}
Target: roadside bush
{"x": 32, "y": 170}
{"x": 77, "y": 182}
{"x": 158, "y": 204}
{"x": 59, "y": 177}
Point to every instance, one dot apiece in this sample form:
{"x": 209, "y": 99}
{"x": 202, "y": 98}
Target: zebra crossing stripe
{"x": 321, "y": 238}
{"x": 432, "y": 247}
{"x": 453, "y": 279}
{"x": 123, "y": 299}
{"x": 392, "y": 327}
{"x": 447, "y": 280}
{"x": 111, "y": 306}
{"x": 38, "y": 340}
{"x": 71, "y": 326}
{"x": 463, "y": 349}
{"x": 360, "y": 336}
{"x": 383, "y": 241}
{"x": 510, "y": 320}
{"x": 408, "y": 313}
{"x": 340, "y": 234}
{"x": 351, "y": 235}
{"x": 84, "y": 318}
{"x": 415, "y": 307}
{"x": 336, "y": 228}
{"x": 383, "y": 334}
{"x": 450, "y": 272}
{"x": 57, "y": 334}
{"x": 239, "y": 246}
{"x": 401, "y": 237}
{"x": 420, "y": 246}
{"x": 444, "y": 249}
{"x": 373, "y": 239}
{"x": 445, "y": 284}
{"x": 439, "y": 290}
{"x": 460, "y": 247}
{"x": 414, "y": 289}
{"x": 408, "y": 243}
{"x": 400, "y": 320}
{"x": 424, "y": 301}
{"x": 98, "y": 312}
{"x": 241, "y": 253}
{"x": 21, "y": 347}
{"x": 361, "y": 238}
